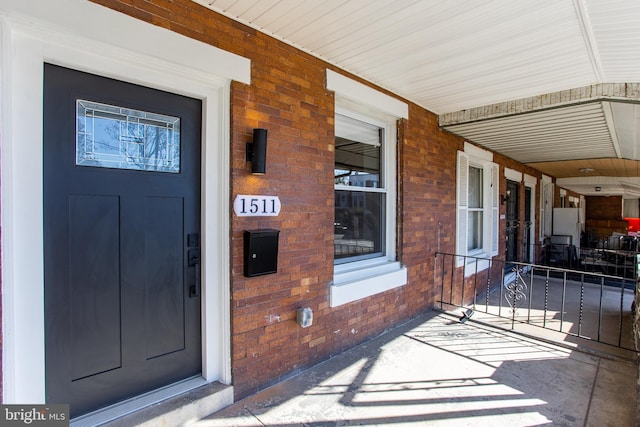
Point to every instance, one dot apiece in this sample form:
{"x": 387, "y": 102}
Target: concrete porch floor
{"x": 574, "y": 308}
{"x": 437, "y": 371}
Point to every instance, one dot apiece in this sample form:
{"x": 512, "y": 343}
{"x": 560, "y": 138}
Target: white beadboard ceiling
{"x": 452, "y": 56}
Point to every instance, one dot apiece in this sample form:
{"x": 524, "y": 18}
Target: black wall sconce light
{"x": 257, "y": 152}
{"x": 505, "y": 198}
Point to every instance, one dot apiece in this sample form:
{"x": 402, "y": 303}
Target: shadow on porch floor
{"x": 437, "y": 371}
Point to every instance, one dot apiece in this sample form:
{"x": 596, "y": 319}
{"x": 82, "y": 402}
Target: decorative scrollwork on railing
{"x": 516, "y": 290}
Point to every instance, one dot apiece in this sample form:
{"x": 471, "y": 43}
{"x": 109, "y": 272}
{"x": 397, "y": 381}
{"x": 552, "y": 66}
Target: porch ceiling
{"x": 474, "y": 62}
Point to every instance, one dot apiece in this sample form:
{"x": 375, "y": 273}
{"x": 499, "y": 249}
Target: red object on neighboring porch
{"x": 634, "y": 225}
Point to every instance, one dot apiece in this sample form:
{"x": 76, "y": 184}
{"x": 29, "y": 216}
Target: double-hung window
{"x": 360, "y": 190}
{"x": 477, "y": 224}
{"x": 364, "y": 191}
{"x": 475, "y": 210}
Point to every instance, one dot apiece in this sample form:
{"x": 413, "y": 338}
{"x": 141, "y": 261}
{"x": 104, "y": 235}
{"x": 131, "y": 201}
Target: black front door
{"x": 121, "y": 234}
{"x": 513, "y": 223}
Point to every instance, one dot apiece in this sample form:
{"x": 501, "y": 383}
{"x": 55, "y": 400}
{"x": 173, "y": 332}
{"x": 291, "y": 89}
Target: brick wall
{"x": 604, "y": 216}
{"x": 288, "y": 97}
{"x": 601, "y": 207}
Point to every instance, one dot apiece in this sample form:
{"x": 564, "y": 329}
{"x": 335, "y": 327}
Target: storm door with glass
{"x": 513, "y": 221}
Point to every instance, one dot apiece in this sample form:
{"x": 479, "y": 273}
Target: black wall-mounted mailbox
{"x": 260, "y": 252}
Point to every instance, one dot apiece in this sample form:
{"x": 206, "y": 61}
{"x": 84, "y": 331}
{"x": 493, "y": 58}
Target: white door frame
{"x": 531, "y": 182}
{"x": 88, "y": 37}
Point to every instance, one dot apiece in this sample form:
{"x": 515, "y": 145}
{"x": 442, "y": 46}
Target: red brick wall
{"x": 604, "y": 216}
{"x": 427, "y": 178}
{"x": 288, "y": 97}
{"x": 601, "y": 207}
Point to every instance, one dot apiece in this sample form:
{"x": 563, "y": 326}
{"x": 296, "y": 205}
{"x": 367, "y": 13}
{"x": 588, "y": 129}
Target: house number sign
{"x": 256, "y": 205}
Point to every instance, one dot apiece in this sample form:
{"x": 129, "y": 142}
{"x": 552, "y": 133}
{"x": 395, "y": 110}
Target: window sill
{"x": 355, "y": 281}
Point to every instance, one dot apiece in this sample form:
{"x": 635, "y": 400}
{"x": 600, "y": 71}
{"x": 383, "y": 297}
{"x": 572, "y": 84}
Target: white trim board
{"x": 475, "y": 151}
{"x": 52, "y": 36}
{"x": 530, "y": 181}
{"x": 365, "y": 95}
{"x": 156, "y": 44}
{"x": 513, "y": 175}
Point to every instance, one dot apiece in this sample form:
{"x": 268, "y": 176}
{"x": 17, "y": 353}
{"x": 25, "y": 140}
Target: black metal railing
{"x": 584, "y": 304}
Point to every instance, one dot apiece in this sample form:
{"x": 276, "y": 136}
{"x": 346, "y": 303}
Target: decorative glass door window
{"x": 123, "y": 138}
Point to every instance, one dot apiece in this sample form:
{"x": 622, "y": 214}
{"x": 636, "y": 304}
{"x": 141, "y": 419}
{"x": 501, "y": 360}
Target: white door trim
{"x": 53, "y": 36}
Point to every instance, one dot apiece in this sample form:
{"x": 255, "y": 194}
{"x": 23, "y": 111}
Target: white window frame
{"x": 384, "y": 184}
{"x": 473, "y": 156}
{"x": 481, "y": 209}
{"x": 355, "y": 280}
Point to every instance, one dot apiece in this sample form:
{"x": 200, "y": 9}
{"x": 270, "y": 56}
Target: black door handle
{"x": 194, "y": 261}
